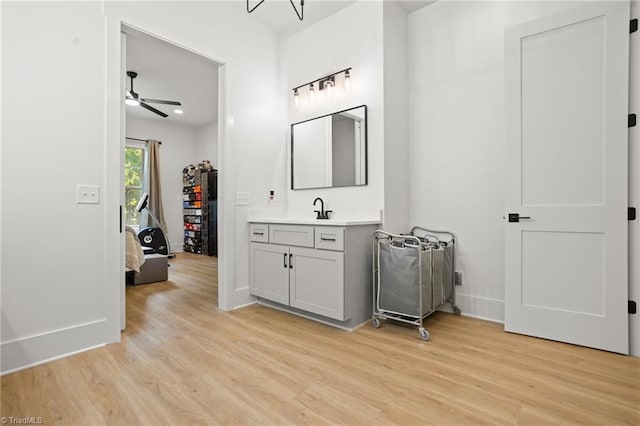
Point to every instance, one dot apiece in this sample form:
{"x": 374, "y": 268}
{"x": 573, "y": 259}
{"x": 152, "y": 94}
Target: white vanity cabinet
{"x": 270, "y": 272}
{"x": 321, "y": 272}
{"x": 316, "y": 282}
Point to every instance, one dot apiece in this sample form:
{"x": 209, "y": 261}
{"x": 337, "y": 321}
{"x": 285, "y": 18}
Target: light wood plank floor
{"x": 182, "y": 361}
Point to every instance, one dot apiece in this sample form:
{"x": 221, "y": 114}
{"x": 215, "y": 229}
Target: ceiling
{"x": 280, "y": 17}
{"x": 168, "y": 72}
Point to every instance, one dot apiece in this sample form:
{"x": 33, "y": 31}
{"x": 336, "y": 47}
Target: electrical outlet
{"x": 458, "y": 278}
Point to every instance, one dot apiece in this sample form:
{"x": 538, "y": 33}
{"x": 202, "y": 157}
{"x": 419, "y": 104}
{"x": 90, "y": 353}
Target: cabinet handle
{"x": 285, "y": 260}
{"x": 327, "y": 239}
{"x": 258, "y": 233}
{"x": 291, "y": 261}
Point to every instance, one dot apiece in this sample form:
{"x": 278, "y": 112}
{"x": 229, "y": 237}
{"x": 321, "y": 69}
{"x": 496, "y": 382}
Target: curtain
{"x": 155, "y": 196}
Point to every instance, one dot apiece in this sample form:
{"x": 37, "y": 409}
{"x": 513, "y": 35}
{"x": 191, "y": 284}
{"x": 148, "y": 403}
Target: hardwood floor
{"x": 182, "y": 361}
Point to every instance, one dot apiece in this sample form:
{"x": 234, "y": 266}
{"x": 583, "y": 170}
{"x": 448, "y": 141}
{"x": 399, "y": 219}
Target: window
{"x": 133, "y": 183}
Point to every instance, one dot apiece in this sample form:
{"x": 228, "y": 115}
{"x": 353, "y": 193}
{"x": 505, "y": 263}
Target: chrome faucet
{"x": 322, "y": 214}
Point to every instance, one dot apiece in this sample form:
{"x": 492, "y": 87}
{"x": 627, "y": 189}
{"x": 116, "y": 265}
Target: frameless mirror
{"x": 330, "y": 151}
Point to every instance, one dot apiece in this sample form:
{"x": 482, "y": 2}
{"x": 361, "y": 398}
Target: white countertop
{"x": 347, "y": 217}
{"x": 315, "y": 222}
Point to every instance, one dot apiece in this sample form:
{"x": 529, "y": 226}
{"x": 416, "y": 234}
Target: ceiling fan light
{"x": 132, "y": 102}
{"x": 178, "y": 111}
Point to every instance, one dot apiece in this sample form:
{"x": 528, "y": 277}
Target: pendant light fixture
{"x": 300, "y": 14}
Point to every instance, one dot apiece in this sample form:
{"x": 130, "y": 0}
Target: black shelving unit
{"x": 199, "y": 203}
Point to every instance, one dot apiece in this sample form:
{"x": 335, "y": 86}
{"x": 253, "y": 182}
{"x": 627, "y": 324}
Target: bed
{"x": 142, "y": 268}
{"x": 134, "y": 258}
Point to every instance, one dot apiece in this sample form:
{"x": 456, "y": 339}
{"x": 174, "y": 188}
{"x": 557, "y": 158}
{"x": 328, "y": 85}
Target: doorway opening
{"x": 170, "y": 160}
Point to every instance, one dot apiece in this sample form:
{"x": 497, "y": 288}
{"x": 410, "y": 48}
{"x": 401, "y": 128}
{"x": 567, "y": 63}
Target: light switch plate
{"x": 88, "y": 194}
{"x": 242, "y": 198}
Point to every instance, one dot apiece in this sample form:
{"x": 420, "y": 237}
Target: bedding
{"x": 134, "y": 254}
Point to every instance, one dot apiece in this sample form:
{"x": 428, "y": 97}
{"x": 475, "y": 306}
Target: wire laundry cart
{"x": 413, "y": 275}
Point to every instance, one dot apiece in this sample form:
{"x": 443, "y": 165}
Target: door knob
{"x": 515, "y": 217}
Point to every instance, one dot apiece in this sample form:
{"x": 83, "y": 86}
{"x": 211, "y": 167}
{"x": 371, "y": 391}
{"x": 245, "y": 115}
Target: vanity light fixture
{"x": 300, "y": 14}
{"x": 325, "y": 84}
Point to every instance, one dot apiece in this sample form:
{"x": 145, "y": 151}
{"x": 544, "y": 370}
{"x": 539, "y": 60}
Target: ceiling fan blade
{"x": 152, "y": 109}
{"x": 160, "y": 101}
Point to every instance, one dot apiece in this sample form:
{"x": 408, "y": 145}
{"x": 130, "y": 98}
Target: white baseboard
{"x": 42, "y": 348}
{"x": 485, "y": 308}
{"x": 309, "y": 317}
{"x": 176, "y": 247}
{"x": 241, "y": 297}
{"x": 246, "y": 304}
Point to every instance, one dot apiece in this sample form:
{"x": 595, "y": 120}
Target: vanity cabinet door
{"x": 269, "y": 269}
{"x": 317, "y": 282}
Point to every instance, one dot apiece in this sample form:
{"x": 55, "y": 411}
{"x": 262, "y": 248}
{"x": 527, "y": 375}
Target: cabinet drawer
{"x": 259, "y": 232}
{"x": 292, "y": 235}
{"x": 329, "y": 238}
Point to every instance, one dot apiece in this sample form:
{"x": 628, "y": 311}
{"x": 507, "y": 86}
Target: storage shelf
{"x": 199, "y": 211}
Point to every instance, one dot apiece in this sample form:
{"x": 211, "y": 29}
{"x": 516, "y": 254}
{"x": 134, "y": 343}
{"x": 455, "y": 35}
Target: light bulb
{"x": 296, "y": 98}
{"x": 347, "y": 79}
{"x": 328, "y": 86}
{"x": 312, "y": 91}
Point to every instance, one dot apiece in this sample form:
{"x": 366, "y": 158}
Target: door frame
{"x": 115, "y": 17}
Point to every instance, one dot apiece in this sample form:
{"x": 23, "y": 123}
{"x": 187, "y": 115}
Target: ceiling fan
{"x": 132, "y": 98}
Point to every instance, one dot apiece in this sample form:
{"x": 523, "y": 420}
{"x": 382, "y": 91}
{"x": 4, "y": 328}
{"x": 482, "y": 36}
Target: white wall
{"x": 207, "y": 144}
{"x": 457, "y": 139}
{"x": 53, "y": 252}
{"x": 396, "y": 120}
{"x": 60, "y": 290}
{"x": 350, "y": 38}
{"x": 178, "y": 150}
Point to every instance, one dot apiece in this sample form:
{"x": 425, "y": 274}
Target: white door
{"x": 317, "y": 282}
{"x": 566, "y": 111}
{"x": 269, "y": 272}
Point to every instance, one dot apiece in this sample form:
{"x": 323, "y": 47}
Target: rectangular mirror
{"x": 330, "y": 151}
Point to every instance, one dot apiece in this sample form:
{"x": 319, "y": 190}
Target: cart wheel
{"x": 456, "y": 310}
{"x": 424, "y": 334}
{"x": 375, "y": 322}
